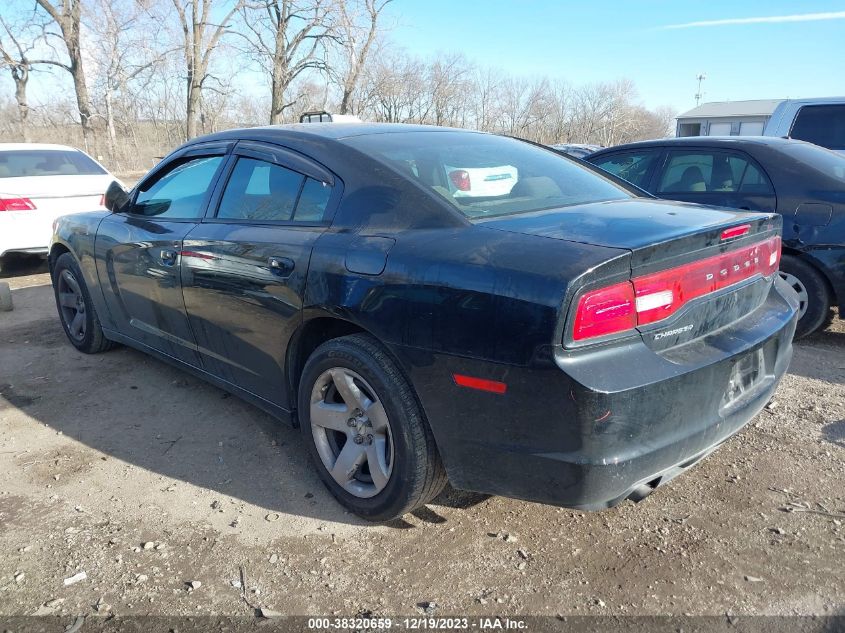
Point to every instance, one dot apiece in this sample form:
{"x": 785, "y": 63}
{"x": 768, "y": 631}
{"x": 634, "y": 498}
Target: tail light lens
{"x": 102, "y": 200}
{"x": 460, "y": 178}
{"x": 16, "y": 204}
{"x": 606, "y": 311}
{"x": 651, "y": 298}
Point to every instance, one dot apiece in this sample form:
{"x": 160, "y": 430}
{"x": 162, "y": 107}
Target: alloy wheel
{"x": 351, "y": 432}
{"x": 798, "y": 287}
{"x": 72, "y": 304}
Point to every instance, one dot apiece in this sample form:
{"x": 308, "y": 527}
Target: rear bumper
{"x": 36, "y": 250}
{"x": 27, "y": 231}
{"x": 589, "y": 431}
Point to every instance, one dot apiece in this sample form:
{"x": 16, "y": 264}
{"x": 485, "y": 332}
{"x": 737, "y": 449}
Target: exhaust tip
{"x": 643, "y": 490}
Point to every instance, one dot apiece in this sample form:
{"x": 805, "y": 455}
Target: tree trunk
{"x": 344, "y": 102}
{"x": 277, "y": 100}
{"x": 112, "y": 133}
{"x": 21, "y": 75}
{"x": 278, "y": 80}
{"x": 83, "y": 101}
{"x": 196, "y": 73}
{"x": 276, "y": 103}
{"x": 193, "y": 106}
{"x": 69, "y": 22}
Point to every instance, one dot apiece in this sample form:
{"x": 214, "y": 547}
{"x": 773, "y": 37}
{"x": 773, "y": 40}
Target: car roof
{"x": 17, "y": 147}
{"x": 333, "y": 131}
{"x": 706, "y": 141}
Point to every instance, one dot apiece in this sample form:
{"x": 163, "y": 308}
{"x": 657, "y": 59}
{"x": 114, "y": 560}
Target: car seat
{"x": 536, "y": 187}
{"x": 691, "y": 180}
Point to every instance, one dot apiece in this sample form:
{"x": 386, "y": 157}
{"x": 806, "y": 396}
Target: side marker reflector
{"x": 493, "y": 386}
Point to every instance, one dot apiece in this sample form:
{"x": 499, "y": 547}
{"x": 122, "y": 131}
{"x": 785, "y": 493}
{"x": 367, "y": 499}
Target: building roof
{"x": 756, "y": 107}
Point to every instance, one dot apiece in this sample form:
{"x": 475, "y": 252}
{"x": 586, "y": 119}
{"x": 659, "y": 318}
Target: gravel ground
{"x": 168, "y": 497}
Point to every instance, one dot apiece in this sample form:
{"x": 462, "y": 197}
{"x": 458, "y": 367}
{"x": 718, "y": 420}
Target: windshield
{"x": 49, "y": 162}
{"x": 824, "y": 160}
{"x": 486, "y": 176}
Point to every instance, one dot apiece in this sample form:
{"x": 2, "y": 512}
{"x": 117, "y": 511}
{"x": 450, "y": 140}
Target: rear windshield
{"x": 50, "y": 162}
{"x": 486, "y": 176}
{"x": 821, "y": 124}
{"x": 824, "y": 160}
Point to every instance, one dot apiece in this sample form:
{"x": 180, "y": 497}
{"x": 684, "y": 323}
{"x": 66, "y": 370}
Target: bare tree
{"x": 450, "y": 80}
{"x": 67, "y": 15}
{"x": 315, "y": 53}
{"x": 358, "y": 25}
{"x": 201, "y": 38}
{"x": 487, "y": 84}
{"x": 121, "y": 52}
{"x": 288, "y": 38}
{"x": 14, "y": 55}
{"x": 393, "y": 89}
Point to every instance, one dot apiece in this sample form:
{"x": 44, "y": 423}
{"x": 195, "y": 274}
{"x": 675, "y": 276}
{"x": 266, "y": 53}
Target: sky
{"x": 748, "y": 49}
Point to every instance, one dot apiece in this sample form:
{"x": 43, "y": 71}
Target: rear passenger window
{"x": 312, "y": 202}
{"x": 822, "y": 125}
{"x": 755, "y": 181}
{"x": 258, "y": 190}
{"x": 687, "y": 172}
{"x": 632, "y": 166}
{"x": 266, "y": 192}
{"x": 715, "y": 172}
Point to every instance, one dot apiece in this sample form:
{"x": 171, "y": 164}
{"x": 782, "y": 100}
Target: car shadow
{"x": 141, "y": 411}
{"x": 22, "y": 266}
{"x": 835, "y": 433}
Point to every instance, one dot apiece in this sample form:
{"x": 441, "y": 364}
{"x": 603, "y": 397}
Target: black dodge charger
{"x": 431, "y": 304}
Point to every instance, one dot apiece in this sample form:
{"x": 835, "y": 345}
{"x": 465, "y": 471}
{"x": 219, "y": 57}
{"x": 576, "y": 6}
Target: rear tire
{"x": 813, "y": 294}
{"x": 76, "y": 310}
{"x": 365, "y": 430}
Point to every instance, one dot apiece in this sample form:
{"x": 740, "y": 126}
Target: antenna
{"x": 700, "y": 77}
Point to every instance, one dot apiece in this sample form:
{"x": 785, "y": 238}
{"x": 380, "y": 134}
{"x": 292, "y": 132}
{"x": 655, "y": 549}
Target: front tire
{"x": 76, "y": 310}
{"x": 366, "y": 431}
{"x": 813, "y": 294}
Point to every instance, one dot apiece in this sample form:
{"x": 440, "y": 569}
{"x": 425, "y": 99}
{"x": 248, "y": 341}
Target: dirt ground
{"x": 147, "y": 480}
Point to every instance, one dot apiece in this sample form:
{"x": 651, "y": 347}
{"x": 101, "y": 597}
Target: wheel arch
{"x": 313, "y": 332}
{"x": 808, "y": 259}
{"x": 57, "y": 250}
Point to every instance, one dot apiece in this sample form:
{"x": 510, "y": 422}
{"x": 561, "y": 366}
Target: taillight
{"x": 605, "y": 311}
{"x": 658, "y": 296}
{"x": 16, "y": 204}
{"x": 460, "y": 178}
{"x": 102, "y": 200}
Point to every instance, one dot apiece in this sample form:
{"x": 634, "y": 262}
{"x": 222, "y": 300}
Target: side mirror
{"x": 116, "y": 197}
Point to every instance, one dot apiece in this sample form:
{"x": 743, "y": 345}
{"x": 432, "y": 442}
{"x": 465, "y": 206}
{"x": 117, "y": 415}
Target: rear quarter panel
{"x": 470, "y": 291}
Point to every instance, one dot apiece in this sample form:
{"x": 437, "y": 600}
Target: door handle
{"x": 168, "y": 256}
{"x": 281, "y": 266}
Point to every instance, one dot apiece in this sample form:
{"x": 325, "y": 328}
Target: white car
{"x": 40, "y": 182}
{"x": 481, "y": 180}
